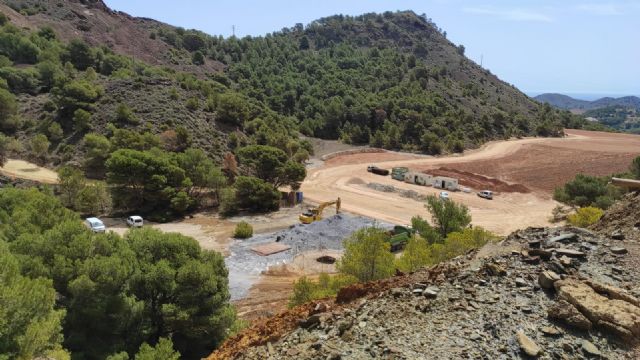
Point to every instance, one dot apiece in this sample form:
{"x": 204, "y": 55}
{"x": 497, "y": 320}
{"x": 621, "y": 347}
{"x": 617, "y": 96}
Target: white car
{"x": 134, "y": 221}
{"x": 444, "y": 195}
{"x": 487, "y": 194}
{"x": 96, "y": 225}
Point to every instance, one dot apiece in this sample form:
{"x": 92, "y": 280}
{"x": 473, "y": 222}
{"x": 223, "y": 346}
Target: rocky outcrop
{"x": 532, "y": 302}
{"x": 620, "y": 317}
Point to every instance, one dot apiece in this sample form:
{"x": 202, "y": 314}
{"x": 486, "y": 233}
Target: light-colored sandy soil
{"x": 25, "y": 170}
{"x": 557, "y": 160}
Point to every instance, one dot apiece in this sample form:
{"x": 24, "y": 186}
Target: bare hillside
{"x": 98, "y": 25}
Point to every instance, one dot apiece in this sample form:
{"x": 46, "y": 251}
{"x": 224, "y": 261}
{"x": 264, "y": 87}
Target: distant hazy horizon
{"x": 579, "y": 96}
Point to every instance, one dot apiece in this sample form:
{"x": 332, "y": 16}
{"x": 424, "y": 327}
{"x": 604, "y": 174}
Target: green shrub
{"x": 81, "y": 120}
{"x": 305, "y": 289}
{"x": 585, "y": 216}
{"x": 39, "y": 147}
{"x": 243, "y": 230}
{"x": 197, "y": 58}
{"x": 367, "y": 256}
{"x": 125, "y": 114}
{"x": 193, "y": 104}
{"x": 585, "y": 190}
{"x": 8, "y": 106}
{"x": 254, "y": 194}
{"x": 21, "y": 80}
{"x": 635, "y": 168}
{"x": 227, "y": 201}
{"x": 447, "y": 215}
{"x": 459, "y": 242}
{"x": 55, "y": 131}
{"x": 415, "y": 255}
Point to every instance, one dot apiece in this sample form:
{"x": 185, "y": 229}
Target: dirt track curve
{"x": 347, "y": 177}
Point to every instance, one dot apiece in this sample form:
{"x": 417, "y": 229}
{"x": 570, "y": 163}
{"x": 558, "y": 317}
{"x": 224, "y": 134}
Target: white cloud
{"x": 510, "y": 14}
{"x": 600, "y": 9}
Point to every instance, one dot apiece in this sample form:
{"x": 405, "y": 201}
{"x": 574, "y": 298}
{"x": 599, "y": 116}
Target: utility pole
{"x": 481, "y": 59}
{"x": 233, "y": 30}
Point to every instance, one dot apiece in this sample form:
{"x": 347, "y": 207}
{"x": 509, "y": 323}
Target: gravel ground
{"x": 245, "y": 266}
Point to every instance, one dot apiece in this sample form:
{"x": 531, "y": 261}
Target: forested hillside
{"x": 392, "y": 80}
{"x": 159, "y": 120}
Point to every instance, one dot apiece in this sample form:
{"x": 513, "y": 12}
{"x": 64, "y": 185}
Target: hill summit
{"x": 390, "y": 80}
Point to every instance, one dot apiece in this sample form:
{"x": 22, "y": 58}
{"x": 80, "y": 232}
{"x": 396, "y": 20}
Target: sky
{"x": 583, "y": 48}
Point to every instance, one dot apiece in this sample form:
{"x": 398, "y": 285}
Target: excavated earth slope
{"x": 563, "y": 293}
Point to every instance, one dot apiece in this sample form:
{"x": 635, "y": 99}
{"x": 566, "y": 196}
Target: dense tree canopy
{"x": 117, "y": 292}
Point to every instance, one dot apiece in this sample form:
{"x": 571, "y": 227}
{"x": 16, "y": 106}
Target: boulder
{"x": 547, "y": 278}
{"x": 310, "y": 321}
{"x": 534, "y": 244}
{"x": 564, "y": 238}
{"x": 618, "y": 316}
{"x": 619, "y": 250}
{"x": 430, "y": 292}
{"x": 527, "y": 345}
{"x": 590, "y": 349}
{"x": 568, "y": 314}
{"x": 551, "y": 331}
{"x": 617, "y": 235}
{"x": 570, "y": 253}
{"x": 543, "y": 254}
{"x": 495, "y": 269}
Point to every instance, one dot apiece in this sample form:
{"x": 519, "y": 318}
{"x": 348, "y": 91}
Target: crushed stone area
{"x": 551, "y": 297}
{"x": 410, "y": 194}
{"x": 245, "y": 265}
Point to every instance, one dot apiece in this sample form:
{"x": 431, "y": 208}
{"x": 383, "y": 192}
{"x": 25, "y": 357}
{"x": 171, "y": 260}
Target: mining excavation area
{"x": 522, "y": 173}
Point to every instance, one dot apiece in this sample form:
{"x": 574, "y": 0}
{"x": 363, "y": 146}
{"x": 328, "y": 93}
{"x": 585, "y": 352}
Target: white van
{"x": 486, "y": 194}
{"x": 134, "y": 221}
{"x": 96, "y": 225}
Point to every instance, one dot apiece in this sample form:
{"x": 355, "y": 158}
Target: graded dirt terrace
{"x": 539, "y": 164}
{"x": 25, "y": 170}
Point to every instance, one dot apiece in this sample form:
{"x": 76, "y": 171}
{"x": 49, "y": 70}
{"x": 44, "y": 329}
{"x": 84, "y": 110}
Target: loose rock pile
{"x": 564, "y": 294}
{"x": 411, "y": 194}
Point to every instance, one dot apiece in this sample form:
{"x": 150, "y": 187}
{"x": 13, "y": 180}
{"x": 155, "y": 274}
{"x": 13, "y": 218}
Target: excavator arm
{"x": 316, "y": 214}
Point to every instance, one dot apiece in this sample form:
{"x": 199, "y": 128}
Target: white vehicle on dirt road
{"x": 96, "y": 225}
{"x": 135, "y": 221}
{"x": 444, "y": 195}
{"x": 486, "y": 194}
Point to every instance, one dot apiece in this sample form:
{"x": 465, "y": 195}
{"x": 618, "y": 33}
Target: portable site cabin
{"x": 418, "y": 178}
{"x": 397, "y": 173}
{"x": 442, "y": 182}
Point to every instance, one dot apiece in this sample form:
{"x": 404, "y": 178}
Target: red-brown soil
{"x": 478, "y": 182}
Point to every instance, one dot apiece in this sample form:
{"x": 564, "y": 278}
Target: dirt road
{"x": 347, "y": 177}
{"x": 25, "y": 170}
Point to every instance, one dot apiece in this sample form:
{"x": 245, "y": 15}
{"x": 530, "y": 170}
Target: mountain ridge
{"x": 569, "y": 103}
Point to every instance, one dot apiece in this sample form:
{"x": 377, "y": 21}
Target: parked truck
{"x": 378, "y": 171}
{"x": 399, "y": 237}
{"x": 397, "y": 173}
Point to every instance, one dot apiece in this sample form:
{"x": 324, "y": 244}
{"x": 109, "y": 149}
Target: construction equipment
{"x": 399, "y": 237}
{"x": 315, "y": 214}
{"x": 397, "y": 173}
{"x": 378, "y": 171}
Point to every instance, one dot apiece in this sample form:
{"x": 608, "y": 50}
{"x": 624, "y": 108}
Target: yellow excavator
{"x": 315, "y": 214}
